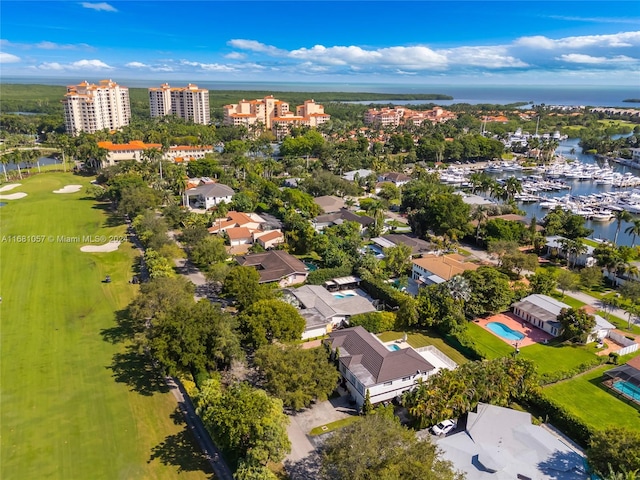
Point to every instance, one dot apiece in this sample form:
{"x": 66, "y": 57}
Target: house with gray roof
{"x": 338, "y": 218}
{"x": 325, "y": 311}
{"x": 366, "y": 364}
{"x": 209, "y": 195}
{"x": 502, "y": 444}
{"x": 542, "y": 311}
{"x": 417, "y": 245}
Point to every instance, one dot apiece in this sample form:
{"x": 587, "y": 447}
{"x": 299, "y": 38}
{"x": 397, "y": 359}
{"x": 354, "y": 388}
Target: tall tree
{"x": 243, "y": 284}
{"x": 634, "y": 230}
{"x": 297, "y": 377}
{"x": 265, "y": 321}
{"x": 620, "y": 216}
{"x": 576, "y": 324}
{"x": 378, "y": 447}
{"x": 614, "y": 448}
{"x": 247, "y": 423}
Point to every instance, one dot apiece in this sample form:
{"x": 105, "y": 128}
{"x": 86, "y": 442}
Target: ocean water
{"x": 588, "y": 95}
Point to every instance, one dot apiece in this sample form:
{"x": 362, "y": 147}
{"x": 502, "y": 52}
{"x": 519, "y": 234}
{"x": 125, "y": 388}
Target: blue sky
{"x": 455, "y": 42}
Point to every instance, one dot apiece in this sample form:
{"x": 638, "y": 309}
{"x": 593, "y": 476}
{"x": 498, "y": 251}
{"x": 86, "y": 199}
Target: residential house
{"x": 366, "y": 364}
{"x": 269, "y": 239}
{"x": 398, "y": 179}
{"x": 355, "y": 174}
{"x": 209, "y": 195}
{"x": 542, "y": 311}
{"x": 416, "y": 244}
{"x": 430, "y": 269}
{"x": 134, "y": 150}
{"x": 235, "y": 219}
{"x": 554, "y": 247}
{"x": 337, "y": 218}
{"x": 329, "y": 203}
{"x": 500, "y": 443}
{"x": 239, "y": 236}
{"x": 324, "y": 311}
{"x": 276, "y": 266}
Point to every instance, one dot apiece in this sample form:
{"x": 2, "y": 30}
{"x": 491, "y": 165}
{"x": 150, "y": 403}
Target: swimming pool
{"x": 393, "y": 348}
{"x": 503, "y": 331}
{"x": 628, "y": 389}
{"x": 344, "y": 295}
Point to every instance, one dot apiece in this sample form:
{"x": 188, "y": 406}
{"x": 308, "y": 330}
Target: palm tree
{"x": 480, "y": 214}
{"x": 16, "y": 159}
{"x": 512, "y": 186}
{"x": 5, "y": 159}
{"x": 633, "y": 229}
{"x": 620, "y": 216}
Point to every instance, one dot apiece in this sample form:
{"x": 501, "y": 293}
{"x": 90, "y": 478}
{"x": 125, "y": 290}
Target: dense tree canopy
{"x": 267, "y": 320}
{"x": 243, "y": 284}
{"x": 616, "y": 448}
{"x": 297, "y": 377}
{"x": 378, "y": 447}
{"x": 245, "y": 422}
{"x": 490, "y": 292}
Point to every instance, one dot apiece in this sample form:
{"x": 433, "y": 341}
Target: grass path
{"x": 74, "y": 405}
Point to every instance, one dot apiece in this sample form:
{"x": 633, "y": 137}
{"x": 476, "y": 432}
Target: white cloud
{"x": 101, "y": 7}
{"x": 153, "y": 68}
{"x": 255, "y": 46}
{"x": 8, "y": 58}
{"x": 46, "y": 45}
{"x": 590, "y": 60}
{"x": 78, "y": 65}
{"x": 137, "y": 65}
{"x": 488, "y": 57}
{"x": 210, "y": 67}
{"x": 235, "y": 56}
{"x": 617, "y": 40}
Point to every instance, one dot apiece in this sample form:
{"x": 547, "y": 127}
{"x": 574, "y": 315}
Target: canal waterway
{"x": 601, "y": 230}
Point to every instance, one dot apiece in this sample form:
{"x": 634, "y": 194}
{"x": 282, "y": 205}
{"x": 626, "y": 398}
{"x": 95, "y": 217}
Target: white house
{"x": 209, "y": 195}
{"x": 430, "y": 269}
{"x": 555, "y": 247}
{"x": 366, "y": 364}
{"x": 324, "y": 310}
{"x": 542, "y": 311}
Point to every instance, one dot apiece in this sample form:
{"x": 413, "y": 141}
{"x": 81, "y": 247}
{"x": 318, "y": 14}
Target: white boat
{"x": 602, "y": 216}
{"x": 549, "y": 204}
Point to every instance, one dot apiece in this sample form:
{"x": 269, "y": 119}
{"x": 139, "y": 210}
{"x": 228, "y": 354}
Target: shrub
{"x": 374, "y": 322}
{"x": 553, "y": 377}
{"x": 321, "y": 275}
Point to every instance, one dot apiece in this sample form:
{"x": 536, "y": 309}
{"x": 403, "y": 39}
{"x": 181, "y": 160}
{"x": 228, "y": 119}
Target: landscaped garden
{"x": 76, "y": 403}
{"x": 423, "y": 339}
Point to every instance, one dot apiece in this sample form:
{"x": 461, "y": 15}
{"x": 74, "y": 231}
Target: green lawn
{"x": 489, "y": 344}
{"x": 330, "y": 427}
{"x": 586, "y": 398}
{"x": 417, "y": 340}
{"x": 76, "y": 403}
{"x": 554, "y": 357}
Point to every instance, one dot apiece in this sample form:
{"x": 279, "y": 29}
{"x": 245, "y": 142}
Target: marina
{"x": 575, "y": 182}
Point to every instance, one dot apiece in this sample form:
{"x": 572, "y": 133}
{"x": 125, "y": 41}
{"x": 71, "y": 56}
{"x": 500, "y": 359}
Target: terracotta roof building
{"x": 431, "y": 269}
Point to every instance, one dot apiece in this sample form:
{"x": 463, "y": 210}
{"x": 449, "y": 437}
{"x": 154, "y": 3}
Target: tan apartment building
{"x": 396, "y": 116}
{"x": 190, "y": 103}
{"x": 90, "y": 108}
{"x": 135, "y": 149}
{"x": 273, "y": 114}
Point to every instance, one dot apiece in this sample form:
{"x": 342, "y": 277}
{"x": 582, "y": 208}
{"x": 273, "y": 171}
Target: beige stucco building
{"x": 190, "y": 102}
{"x": 90, "y": 108}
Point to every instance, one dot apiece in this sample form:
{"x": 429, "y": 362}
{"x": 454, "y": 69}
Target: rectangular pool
{"x": 628, "y": 389}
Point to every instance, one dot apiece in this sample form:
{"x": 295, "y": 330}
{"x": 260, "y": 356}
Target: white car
{"x": 443, "y": 427}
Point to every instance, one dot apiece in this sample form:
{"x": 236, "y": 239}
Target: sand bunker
{"x": 107, "y": 247}
{"x": 69, "y": 189}
{"x": 13, "y": 196}
{"x": 11, "y": 186}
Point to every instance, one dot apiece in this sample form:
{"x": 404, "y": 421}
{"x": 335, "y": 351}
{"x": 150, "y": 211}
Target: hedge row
{"x": 548, "y": 410}
{"x": 383, "y": 291}
{"x": 553, "y": 377}
{"x": 318, "y": 277}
